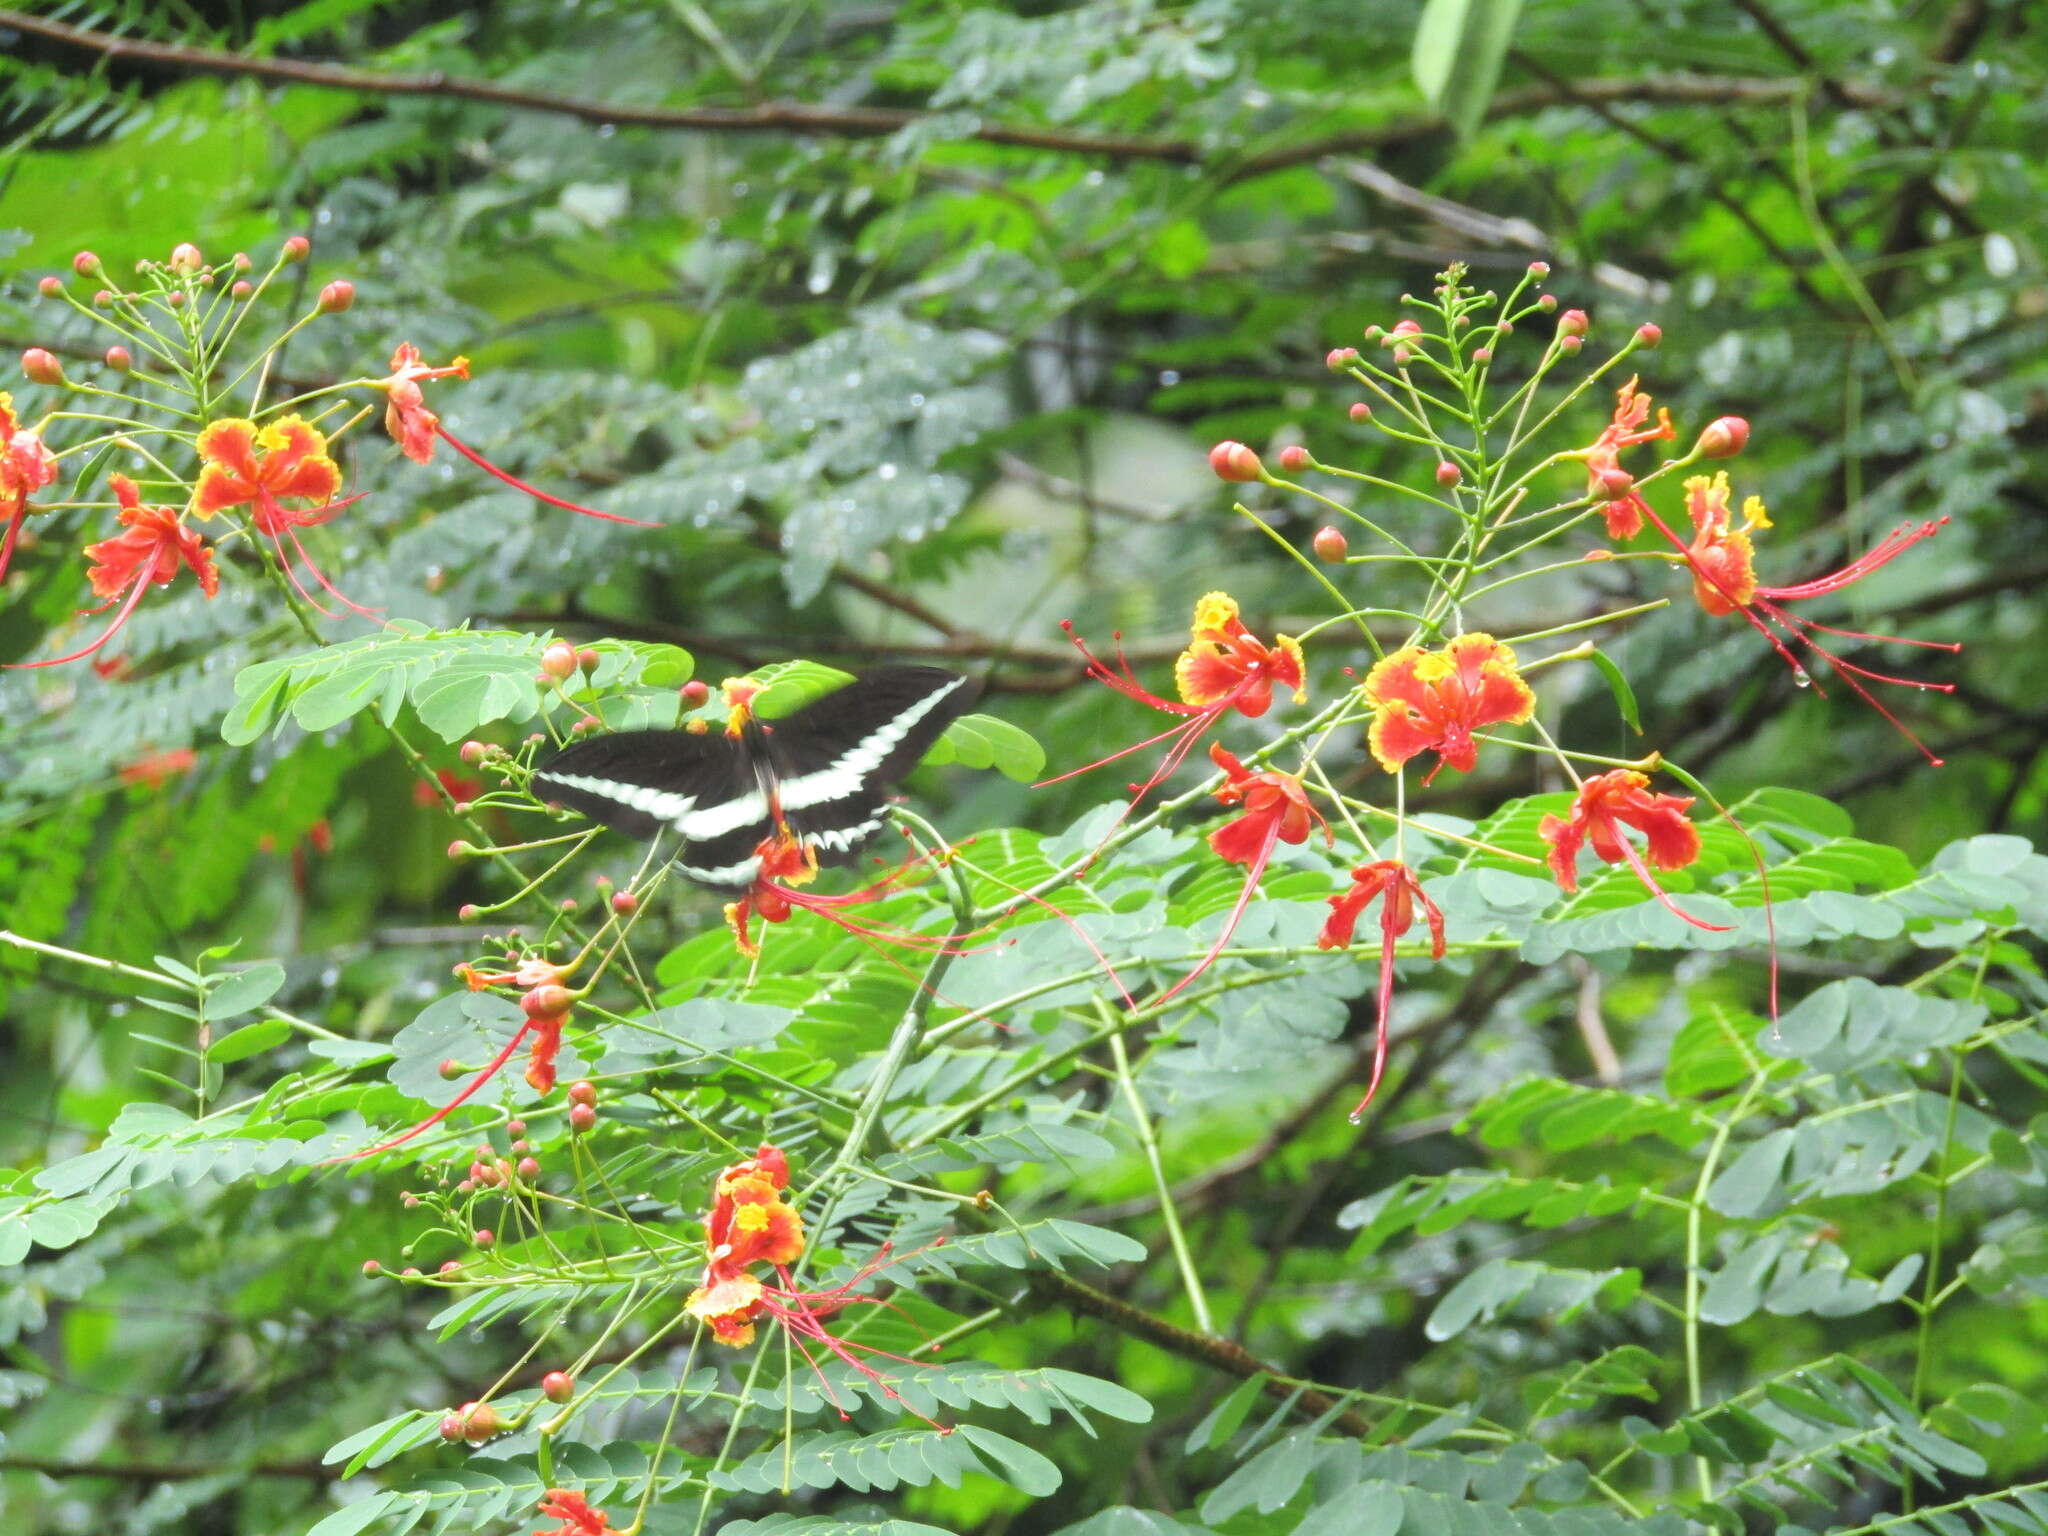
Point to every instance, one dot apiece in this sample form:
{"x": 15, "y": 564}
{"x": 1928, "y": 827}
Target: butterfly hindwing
{"x": 644, "y": 781}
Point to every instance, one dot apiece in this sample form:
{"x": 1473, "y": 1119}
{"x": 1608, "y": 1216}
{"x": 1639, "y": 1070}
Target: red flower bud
{"x": 372, "y": 1267}
{"x": 451, "y": 1429}
{"x": 466, "y": 1187}
{"x": 550, "y": 1000}
{"x": 450, "y": 1069}
{"x": 242, "y": 290}
{"x": 1373, "y": 333}
{"x": 625, "y": 903}
{"x": 336, "y": 297}
{"x": 529, "y": 1168}
{"x": 1649, "y": 335}
{"x": 585, "y": 725}
{"x": 473, "y": 752}
{"x": 120, "y": 359}
{"x": 557, "y": 1386}
{"x": 1407, "y": 328}
{"x": 515, "y": 1127}
{"x": 695, "y": 691}
{"x": 1294, "y": 458}
{"x": 296, "y": 248}
{"x": 1598, "y": 554}
{"x": 185, "y": 258}
{"x": 485, "y": 1237}
{"x": 1539, "y": 269}
{"x": 49, "y": 287}
{"x": 178, "y": 298}
{"x": 1505, "y": 328}
{"x": 1613, "y": 484}
{"x": 241, "y": 261}
{"x": 1235, "y": 462}
{"x": 1401, "y": 357}
{"x": 461, "y": 848}
{"x": 450, "y": 1267}
{"x": 559, "y": 659}
{"x": 1547, "y": 302}
{"x": 1482, "y": 354}
{"x": 102, "y": 299}
{"x": 1340, "y": 358}
{"x": 587, "y": 659}
{"x": 1724, "y": 438}
{"x": 85, "y": 264}
{"x": 479, "y": 1422}
{"x": 1571, "y": 346}
{"x": 583, "y": 1091}
{"x": 42, "y": 367}
{"x": 582, "y": 1116}
{"x": 1330, "y": 545}
{"x": 1360, "y": 411}
{"x": 468, "y": 912}
{"x": 1573, "y": 322}
{"x": 410, "y": 1272}
{"x": 1448, "y": 474}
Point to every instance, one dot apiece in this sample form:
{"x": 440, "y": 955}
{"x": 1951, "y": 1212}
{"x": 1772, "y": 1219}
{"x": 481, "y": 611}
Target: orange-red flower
{"x": 1606, "y": 806}
{"x": 1225, "y": 667}
{"x": 750, "y": 1224}
{"x": 1394, "y": 886}
{"x": 263, "y": 468}
{"x": 153, "y": 770}
{"x": 787, "y": 865}
{"x": 406, "y": 417}
{"x": 575, "y": 1513}
{"x": 26, "y": 466}
{"x": 1722, "y": 559}
{"x": 1432, "y": 701}
{"x": 1603, "y": 460}
{"x": 154, "y": 548}
{"x": 1276, "y": 810}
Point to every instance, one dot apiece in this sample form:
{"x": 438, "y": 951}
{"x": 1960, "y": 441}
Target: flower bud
{"x": 1330, "y": 545}
{"x": 585, "y": 725}
{"x": 177, "y": 298}
{"x": 410, "y": 1201}
{"x": 242, "y": 290}
{"x": 473, "y": 752}
{"x": 1649, "y": 335}
{"x": 1482, "y": 354}
{"x": 1373, "y": 333}
{"x": 1235, "y": 462}
{"x": 450, "y": 1267}
{"x": 1539, "y": 269}
{"x": 49, "y": 287}
{"x": 515, "y": 1127}
{"x": 468, "y": 912}
{"x": 296, "y": 248}
{"x": 241, "y": 261}
{"x": 466, "y": 1187}
{"x": 559, "y": 659}
{"x": 1340, "y": 358}
{"x": 1547, "y": 302}
{"x": 557, "y": 1386}
{"x": 451, "y": 1069}
{"x": 479, "y": 1422}
{"x": 529, "y": 1168}
{"x": 1294, "y": 458}
{"x": 1573, "y": 322}
{"x": 485, "y": 1237}
{"x": 1723, "y": 438}
{"x": 587, "y": 659}
{"x": 582, "y": 1116}
{"x": 185, "y": 258}
{"x": 1613, "y": 484}
{"x": 120, "y": 359}
{"x": 372, "y": 1267}
{"x": 625, "y": 903}
{"x": 1571, "y": 346}
{"x": 695, "y": 691}
{"x": 1407, "y": 328}
{"x": 336, "y": 297}
{"x": 1360, "y": 411}
{"x": 410, "y": 1272}
{"x": 1505, "y": 328}
{"x": 85, "y": 264}
{"x": 550, "y": 1000}
{"x": 451, "y": 1429}
{"x": 1402, "y": 356}
{"x": 1598, "y": 554}
{"x": 583, "y": 1091}
{"x": 41, "y": 366}
{"x": 461, "y": 848}
{"x": 102, "y": 299}
{"x": 1448, "y": 474}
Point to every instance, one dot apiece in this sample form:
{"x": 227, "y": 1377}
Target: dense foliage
{"x": 1704, "y": 1186}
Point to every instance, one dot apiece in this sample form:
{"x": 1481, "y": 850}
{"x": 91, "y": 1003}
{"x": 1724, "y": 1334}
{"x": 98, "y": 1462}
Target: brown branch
{"x": 875, "y": 122}
{"x": 153, "y": 1472}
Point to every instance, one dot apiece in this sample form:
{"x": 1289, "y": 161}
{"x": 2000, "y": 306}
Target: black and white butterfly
{"x": 821, "y": 772}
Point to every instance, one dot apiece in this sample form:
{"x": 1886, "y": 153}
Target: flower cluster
{"x": 267, "y": 472}
{"x": 1446, "y": 689}
{"x": 752, "y": 1225}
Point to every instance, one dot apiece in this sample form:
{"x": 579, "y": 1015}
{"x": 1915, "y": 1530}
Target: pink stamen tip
{"x": 135, "y": 591}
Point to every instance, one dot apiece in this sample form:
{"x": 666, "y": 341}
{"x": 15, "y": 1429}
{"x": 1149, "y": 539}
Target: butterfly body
{"x": 820, "y": 774}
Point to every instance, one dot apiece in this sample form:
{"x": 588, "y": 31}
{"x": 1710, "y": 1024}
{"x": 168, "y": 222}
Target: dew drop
{"x": 1801, "y": 678}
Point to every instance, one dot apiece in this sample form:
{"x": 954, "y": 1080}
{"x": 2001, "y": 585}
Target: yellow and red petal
{"x": 1289, "y": 668}
{"x": 1398, "y": 734}
{"x": 124, "y": 491}
{"x": 1564, "y": 838}
{"x": 219, "y": 488}
{"x": 1397, "y": 676}
{"x": 1216, "y": 614}
{"x": 1207, "y": 672}
{"x": 1724, "y": 572}
{"x": 231, "y": 444}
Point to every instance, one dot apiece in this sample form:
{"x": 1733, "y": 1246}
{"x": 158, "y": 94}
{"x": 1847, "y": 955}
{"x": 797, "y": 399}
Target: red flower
{"x": 1276, "y": 810}
{"x": 460, "y": 788}
{"x": 26, "y": 466}
{"x": 1606, "y": 805}
{"x": 1427, "y": 701}
{"x": 414, "y": 427}
{"x": 406, "y": 417}
{"x": 1723, "y": 563}
{"x": 575, "y": 1513}
{"x": 787, "y": 865}
{"x": 546, "y": 1004}
{"x": 1394, "y": 886}
{"x": 153, "y": 770}
{"x": 263, "y": 468}
{"x": 156, "y": 546}
{"x": 751, "y": 1224}
{"x": 1224, "y": 667}
{"x": 1631, "y": 410}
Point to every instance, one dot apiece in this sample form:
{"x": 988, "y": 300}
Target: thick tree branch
{"x": 874, "y": 122}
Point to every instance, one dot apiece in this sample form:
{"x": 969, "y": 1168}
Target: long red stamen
{"x": 1953, "y": 647}
{"x": 1886, "y": 550}
{"x": 1379, "y": 1047}
{"x": 1635, "y": 862}
{"x": 321, "y": 577}
{"x": 134, "y": 596}
{"x": 1126, "y": 684}
{"x": 1253, "y": 873}
{"x": 535, "y": 492}
{"x": 496, "y": 1064}
{"x": 13, "y": 530}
